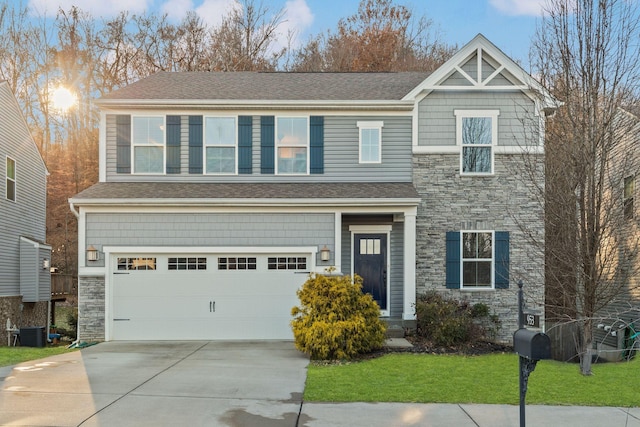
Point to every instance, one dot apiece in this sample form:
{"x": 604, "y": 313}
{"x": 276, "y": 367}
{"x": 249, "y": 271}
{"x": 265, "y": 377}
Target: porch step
{"x": 395, "y": 331}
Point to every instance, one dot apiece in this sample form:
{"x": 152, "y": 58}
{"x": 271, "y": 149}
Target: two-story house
{"x": 220, "y": 192}
{"x": 25, "y": 281}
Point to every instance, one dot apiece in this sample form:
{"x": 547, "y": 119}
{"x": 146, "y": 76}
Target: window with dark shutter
{"x": 195, "y": 144}
{"x": 267, "y": 145}
{"x": 173, "y": 145}
{"x": 316, "y": 144}
{"x": 123, "y": 144}
{"x": 245, "y": 148}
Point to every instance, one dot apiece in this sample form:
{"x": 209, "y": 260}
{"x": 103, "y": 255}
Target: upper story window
{"x": 220, "y": 140}
{"x": 148, "y": 144}
{"x": 477, "y": 259}
{"x": 477, "y": 136}
{"x": 11, "y": 179}
{"x": 629, "y": 191}
{"x": 370, "y": 136}
{"x": 292, "y": 145}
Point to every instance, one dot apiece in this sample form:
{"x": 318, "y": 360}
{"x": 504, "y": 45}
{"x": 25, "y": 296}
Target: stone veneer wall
{"x": 21, "y": 314}
{"x": 91, "y": 306}
{"x": 506, "y": 201}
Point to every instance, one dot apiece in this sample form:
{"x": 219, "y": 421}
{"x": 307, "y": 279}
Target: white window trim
{"x": 493, "y": 115}
{"x": 493, "y": 261}
{"x": 307, "y": 146}
{"x": 134, "y": 145}
{"x": 362, "y": 125}
{"x": 14, "y": 179}
{"x": 205, "y": 146}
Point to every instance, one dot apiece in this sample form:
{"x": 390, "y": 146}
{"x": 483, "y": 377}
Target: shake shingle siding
{"x": 516, "y": 122}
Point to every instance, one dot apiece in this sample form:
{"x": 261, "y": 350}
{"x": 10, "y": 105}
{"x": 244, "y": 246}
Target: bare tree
{"x": 381, "y": 36}
{"x": 586, "y": 53}
{"x": 244, "y": 41}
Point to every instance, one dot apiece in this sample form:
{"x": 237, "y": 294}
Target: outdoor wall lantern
{"x": 92, "y": 253}
{"x": 45, "y": 263}
{"x": 325, "y": 253}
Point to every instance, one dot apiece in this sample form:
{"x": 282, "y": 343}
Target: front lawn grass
{"x": 492, "y": 379}
{"x": 14, "y": 355}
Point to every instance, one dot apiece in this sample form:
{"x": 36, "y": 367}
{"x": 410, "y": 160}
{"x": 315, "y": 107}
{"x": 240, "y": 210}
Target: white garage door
{"x": 204, "y": 296}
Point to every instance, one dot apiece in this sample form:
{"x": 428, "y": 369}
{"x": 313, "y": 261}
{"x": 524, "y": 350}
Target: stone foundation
{"x": 22, "y": 315}
{"x": 91, "y": 309}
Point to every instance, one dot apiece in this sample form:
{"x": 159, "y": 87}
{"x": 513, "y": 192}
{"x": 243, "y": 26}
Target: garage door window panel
{"x": 287, "y": 263}
{"x": 236, "y": 263}
{"x": 187, "y": 263}
{"x": 136, "y": 264}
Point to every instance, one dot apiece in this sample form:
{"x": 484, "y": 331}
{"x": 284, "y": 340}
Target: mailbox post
{"x": 531, "y": 346}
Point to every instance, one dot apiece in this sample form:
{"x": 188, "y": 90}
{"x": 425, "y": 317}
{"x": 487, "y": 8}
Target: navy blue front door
{"x": 370, "y": 263}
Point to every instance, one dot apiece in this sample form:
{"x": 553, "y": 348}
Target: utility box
{"x": 532, "y": 345}
{"x": 33, "y": 337}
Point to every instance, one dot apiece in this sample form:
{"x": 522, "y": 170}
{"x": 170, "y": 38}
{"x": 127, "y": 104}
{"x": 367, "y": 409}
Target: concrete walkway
{"x": 228, "y": 384}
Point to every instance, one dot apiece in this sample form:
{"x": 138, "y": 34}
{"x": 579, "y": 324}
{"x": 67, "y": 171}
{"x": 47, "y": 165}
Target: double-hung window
{"x": 11, "y": 179}
{"x": 629, "y": 190}
{"x": 292, "y": 145}
{"x": 477, "y": 259}
{"x": 148, "y": 144}
{"x": 370, "y": 141}
{"x": 220, "y": 142}
{"x": 477, "y": 136}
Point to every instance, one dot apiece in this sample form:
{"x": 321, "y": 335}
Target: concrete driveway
{"x": 158, "y": 384}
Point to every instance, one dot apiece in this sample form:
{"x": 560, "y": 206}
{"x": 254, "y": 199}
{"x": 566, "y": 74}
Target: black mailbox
{"x": 532, "y": 345}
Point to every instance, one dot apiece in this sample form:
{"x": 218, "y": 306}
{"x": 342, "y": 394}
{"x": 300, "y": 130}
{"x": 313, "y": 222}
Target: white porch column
{"x": 408, "y": 311}
{"x": 337, "y": 250}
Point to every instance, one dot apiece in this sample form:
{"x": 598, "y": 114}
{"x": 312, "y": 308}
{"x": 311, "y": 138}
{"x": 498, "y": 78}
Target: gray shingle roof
{"x": 258, "y": 86}
{"x": 157, "y": 191}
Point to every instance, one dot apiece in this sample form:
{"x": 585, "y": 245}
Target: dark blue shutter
{"x": 123, "y": 144}
{"x": 195, "y": 144}
{"x": 267, "y": 145}
{"x": 502, "y": 259}
{"x": 173, "y": 144}
{"x": 453, "y": 260}
{"x": 245, "y": 136}
{"x": 316, "y": 144}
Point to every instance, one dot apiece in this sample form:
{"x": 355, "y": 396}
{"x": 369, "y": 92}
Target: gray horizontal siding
{"x": 210, "y": 229}
{"x": 437, "y": 122}
{"x": 341, "y": 158}
{"x": 26, "y": 216}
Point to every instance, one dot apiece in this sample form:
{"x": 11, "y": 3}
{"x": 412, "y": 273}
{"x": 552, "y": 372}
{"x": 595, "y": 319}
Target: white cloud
{"x": 212, "y": 11}
{"x": 176, "y": 9}
{"x": 97, "y": 8}
{"x": 297, "y": 19}
{"x": 519, "y": 7}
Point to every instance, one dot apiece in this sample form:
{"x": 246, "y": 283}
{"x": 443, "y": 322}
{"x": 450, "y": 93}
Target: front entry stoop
{"x": 395, "y": 331}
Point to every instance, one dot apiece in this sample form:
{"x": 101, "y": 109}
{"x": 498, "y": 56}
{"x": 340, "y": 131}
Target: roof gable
{"x": 480, "y": 65}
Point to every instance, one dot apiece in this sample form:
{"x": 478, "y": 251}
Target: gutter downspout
{"x": 73, "y": 209}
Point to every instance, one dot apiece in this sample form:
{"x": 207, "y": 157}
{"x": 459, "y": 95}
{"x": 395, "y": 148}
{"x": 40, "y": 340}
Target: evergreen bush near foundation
{"x": 335, "y": 319}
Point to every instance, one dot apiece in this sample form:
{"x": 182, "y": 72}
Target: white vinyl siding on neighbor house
{"x": 292, "y": 145}
{"x": 148, "y": 144}
{"x": 11, "y": 179}
{"x": 220, "y": 145}
{"x": 370, "y": 141}
{"x": 477, "y": 136}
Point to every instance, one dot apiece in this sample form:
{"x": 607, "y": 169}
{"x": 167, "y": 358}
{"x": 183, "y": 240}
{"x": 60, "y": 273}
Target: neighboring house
{"x": 220, "y": 192}
{"x": 25, "y": 281}
{"x": 620, "y": 319}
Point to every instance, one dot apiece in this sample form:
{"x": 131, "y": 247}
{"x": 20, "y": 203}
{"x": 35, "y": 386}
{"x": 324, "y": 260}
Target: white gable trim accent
{"x": 477, "y": 46}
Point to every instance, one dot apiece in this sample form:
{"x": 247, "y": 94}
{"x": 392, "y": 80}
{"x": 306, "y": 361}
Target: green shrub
{"x": 448, "y": 322}
{"x": 335, "y": 319}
